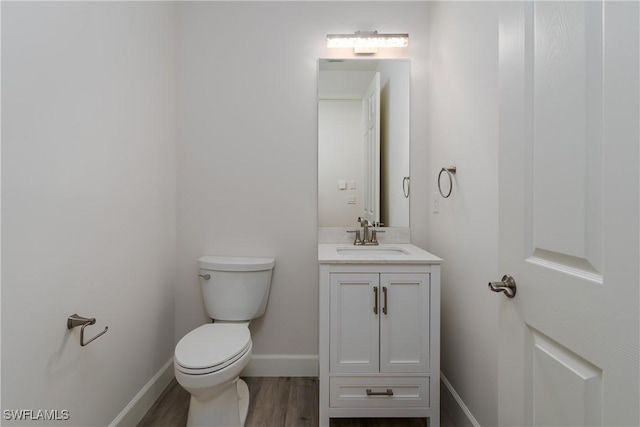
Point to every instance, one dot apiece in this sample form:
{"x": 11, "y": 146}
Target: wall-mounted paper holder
{"x": 76, "y": 320}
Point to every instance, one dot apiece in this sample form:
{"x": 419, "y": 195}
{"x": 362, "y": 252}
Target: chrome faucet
{"x": 365, "y": 223}
{"x": 369, "y": 236}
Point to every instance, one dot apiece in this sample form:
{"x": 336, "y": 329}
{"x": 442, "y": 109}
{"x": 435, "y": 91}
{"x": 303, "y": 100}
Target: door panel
{"x": 404, "y": 328}
{"x": 569, "y": 209}
{"x": 371, "y": 141}
{"x": 567, "y": 132}
{"x": 566, "y": 146}
{"x": 558, "y": 372}
{"x": 354, "y": 341}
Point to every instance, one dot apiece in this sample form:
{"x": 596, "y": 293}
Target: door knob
{"x": 507, "y": 285}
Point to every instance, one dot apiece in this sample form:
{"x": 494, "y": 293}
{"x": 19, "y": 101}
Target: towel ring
{"x": 450, "y": 170}
{"x": 406, "y": 186}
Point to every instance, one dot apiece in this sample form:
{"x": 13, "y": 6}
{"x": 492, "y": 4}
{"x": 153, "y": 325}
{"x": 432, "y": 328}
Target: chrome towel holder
{"x": 406, "y": 186}
{"x": 451, "y": 170}
{"x": 76, "y": 320}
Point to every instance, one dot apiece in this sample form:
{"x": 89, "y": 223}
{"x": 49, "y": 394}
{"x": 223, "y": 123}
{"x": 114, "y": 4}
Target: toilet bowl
{"x": 208, "y": 360}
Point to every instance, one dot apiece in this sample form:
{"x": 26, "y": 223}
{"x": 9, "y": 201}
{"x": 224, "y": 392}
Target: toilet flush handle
{"x": 205, "y": 276}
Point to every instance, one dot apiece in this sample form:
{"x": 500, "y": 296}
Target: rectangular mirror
{"x": 363, "y": 141}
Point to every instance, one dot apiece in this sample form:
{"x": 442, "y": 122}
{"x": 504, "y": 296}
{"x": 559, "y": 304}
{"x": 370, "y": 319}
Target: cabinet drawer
{"x": 359, "y": 392}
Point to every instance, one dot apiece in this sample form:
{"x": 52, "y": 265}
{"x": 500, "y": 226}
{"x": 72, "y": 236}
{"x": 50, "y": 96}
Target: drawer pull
{"x": 389, "y": 392}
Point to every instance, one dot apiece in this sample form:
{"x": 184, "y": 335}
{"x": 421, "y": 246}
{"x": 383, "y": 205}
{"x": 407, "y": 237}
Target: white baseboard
{"x": 141, "y": 402}
{"x": 282, "y": 365}
{"x": 460, "y": 413}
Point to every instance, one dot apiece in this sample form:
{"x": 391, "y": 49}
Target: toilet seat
{"x": 212, "y": 347}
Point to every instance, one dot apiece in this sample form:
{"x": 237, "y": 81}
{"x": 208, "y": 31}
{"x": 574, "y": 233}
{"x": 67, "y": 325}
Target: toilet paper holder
{"x": 75, "y": 320}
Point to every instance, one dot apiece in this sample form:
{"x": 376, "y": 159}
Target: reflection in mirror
{"x": 363, "y": 141}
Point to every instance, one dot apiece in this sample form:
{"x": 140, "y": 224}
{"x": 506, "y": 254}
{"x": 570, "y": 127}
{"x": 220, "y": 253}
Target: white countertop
{"x": 407, "y": 254}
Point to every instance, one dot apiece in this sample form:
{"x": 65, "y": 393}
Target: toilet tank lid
{"x": 235, "y": 263}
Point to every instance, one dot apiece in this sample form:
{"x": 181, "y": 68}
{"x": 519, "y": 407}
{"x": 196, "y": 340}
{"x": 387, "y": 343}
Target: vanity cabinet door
{"x": 404, "y": 322}
{"x": 354, "y": 326}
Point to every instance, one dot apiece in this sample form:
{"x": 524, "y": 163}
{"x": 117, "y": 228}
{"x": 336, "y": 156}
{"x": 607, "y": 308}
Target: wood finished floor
{"x": 275, "y": 402}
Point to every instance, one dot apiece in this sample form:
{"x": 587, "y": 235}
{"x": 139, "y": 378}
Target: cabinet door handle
{"x": 384, "y": 292}
{"x": 389, "y": 392}
{"x": 375, "y": 300}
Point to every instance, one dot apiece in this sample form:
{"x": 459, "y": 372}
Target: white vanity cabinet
{"x": 379, "y": 322}
{"x": 379, "y": 334}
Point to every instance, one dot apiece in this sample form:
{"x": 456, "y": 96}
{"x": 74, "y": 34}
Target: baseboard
{"x": 460, "y": 413}
{"x": 282, "y": 365}
{"x": 141, "y": 402}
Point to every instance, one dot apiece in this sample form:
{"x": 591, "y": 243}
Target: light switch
{"x": 342, "y": 184}
{"x": 352, "y": 185}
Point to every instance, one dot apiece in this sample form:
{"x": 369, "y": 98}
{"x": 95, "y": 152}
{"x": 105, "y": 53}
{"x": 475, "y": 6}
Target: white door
{"x": 371, "y": 140}
{"x": 354, "y": 326}
{"x": 404, "y": 322}
{"x": 569, "y": 216}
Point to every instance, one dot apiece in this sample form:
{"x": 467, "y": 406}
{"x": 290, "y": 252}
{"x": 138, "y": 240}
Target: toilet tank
{"x": 237, "y": 288}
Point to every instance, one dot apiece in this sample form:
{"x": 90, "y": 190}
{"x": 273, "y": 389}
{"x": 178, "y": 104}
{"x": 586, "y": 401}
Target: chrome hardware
{"x": 365, "y": 225}
{"x": 357, "y": 240}
{"x": 389, "y": 392}
{"x": 374, "y": 236}
{"x": 507, "y": 285}
{"x": 369, "y": 236}
{"x": 375, "y": 300}
{"x": 205, "y": 276}
{"x": 384, "y": 292}
{"x": 406, "y": 186}
{"x": 450, "y": 171}
{"x": 75, "y": 320}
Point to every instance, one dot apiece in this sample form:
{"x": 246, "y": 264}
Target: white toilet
{"x": 209, "y": 359}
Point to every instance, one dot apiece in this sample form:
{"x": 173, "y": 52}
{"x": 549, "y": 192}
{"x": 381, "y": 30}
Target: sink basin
{"x": 385, "y": 253}
{"x": 371, "y": 250}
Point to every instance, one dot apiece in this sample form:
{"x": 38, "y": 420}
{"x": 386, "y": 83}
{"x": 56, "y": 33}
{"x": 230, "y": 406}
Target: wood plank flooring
{"x": 275, "y": 402}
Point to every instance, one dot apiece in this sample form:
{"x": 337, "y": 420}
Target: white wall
{"x": 340, "y": 149}
{"x": 333, "y": 84}
{"x": 88, "y": 209}
{"x": 463, "y": 131}
{"x": 340, "y": 154}
{"x": 247, "y": 146}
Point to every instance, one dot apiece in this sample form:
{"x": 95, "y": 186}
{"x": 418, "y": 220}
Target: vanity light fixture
{"x": 367, "y": 41}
